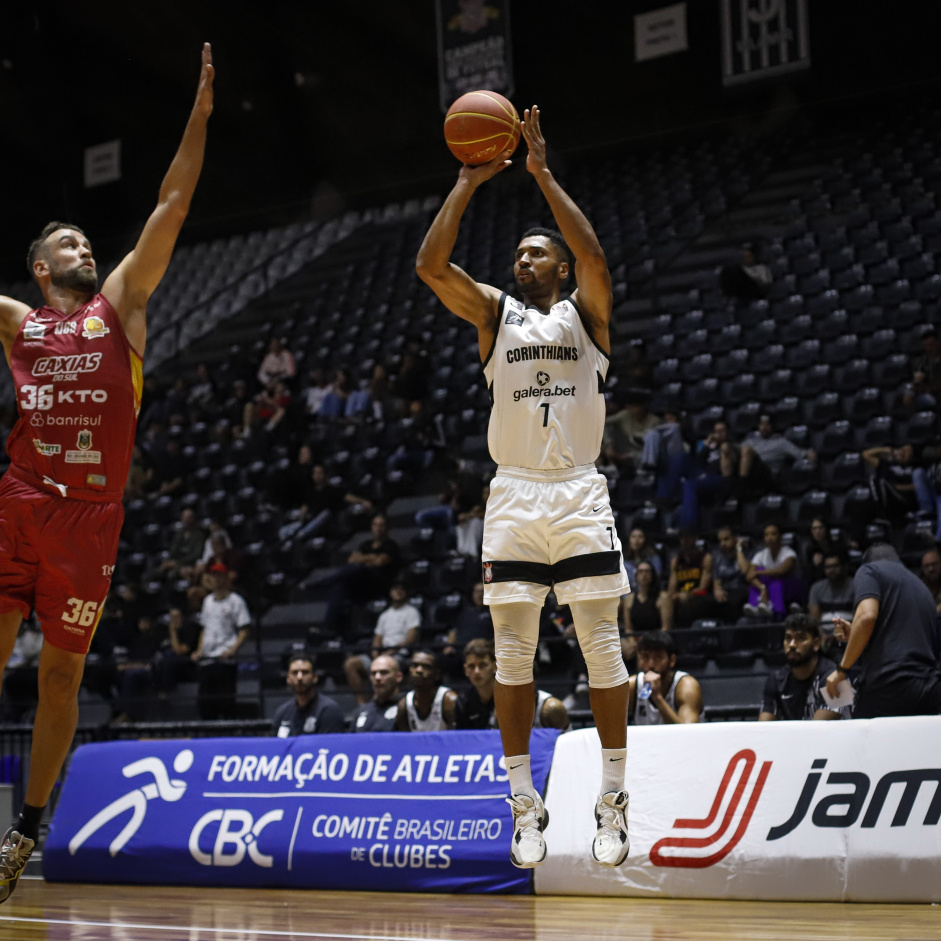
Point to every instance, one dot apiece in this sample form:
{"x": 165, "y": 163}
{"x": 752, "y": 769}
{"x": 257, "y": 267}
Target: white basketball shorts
{"x": 553, "y": 529}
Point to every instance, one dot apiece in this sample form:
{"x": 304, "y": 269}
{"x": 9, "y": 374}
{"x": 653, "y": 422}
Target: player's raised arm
{"x": 12, "y": 315}
{"x": 129, "y": 287}
{"x": 456, "y": 289}
{"x": 593, "y": 295}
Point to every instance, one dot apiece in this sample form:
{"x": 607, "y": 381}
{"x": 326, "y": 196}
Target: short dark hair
{"x": 657, "y": 640}
{"x": 557, "y": 239}
{"x": 802, "y": 623}
{"x": 303, "y": 654}
{"x": 38, "y": 242}
{"x": 881, "y": 552}
{"x": 478, "y": 647}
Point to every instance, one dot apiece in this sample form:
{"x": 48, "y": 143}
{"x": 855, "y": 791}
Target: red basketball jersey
{"x": 78, "y": 386}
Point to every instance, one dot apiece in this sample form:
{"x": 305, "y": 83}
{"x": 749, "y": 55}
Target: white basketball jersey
{"x": 645, "y": 712}
{"x": 545, "y": 375}
{"x": 434, "y": 721}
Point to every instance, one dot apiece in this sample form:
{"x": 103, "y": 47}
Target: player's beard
{"x": 83, "y": 279}
{"x": 797, "y": 659}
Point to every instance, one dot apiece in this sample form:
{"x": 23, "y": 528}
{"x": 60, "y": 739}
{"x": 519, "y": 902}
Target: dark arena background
{"x": 805, "y": 132}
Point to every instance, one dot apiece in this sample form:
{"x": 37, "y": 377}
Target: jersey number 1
{"x": 545, "y": 415}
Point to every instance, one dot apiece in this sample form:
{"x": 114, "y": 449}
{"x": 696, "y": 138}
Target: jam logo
{"x": 701, "y": 852}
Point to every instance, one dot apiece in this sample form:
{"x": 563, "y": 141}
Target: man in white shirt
{"x": 398, "y": 626}
{"x": 770, "y": 574}
{"x": 225, "y": 620}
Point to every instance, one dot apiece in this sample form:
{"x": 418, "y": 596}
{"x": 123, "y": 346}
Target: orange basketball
{"x": 481, "y": 125}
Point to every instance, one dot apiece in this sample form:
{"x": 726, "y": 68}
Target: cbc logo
{"x": 239, "y": 833}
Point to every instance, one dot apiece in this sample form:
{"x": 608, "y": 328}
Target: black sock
{"x": 29, "y": 820}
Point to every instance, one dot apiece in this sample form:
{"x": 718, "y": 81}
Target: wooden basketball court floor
{"x": 131, "y": 913}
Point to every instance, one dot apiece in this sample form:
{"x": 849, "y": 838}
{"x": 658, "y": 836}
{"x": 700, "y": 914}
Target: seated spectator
{"x": 225, "y": 622}
{"x": 333, "y": 405}
{"x": 380, "y": 393}
{"x": 368, "y": 574}
{"x": 824, "y": 540}
{"x": 710, "y": 475}
{"x": 315, "y": 393}
{"x": 321, "y": 503}
{"x": 924, "y": 392}
{"x": 765, "y": 454}
{"x": 309, "y": 712}
{"x": 892, "y": 480}
{"x": 646, "y": 608}
{"x": 137, "y": 670}
{"x": 397, "y": 629}
{"x": 690, "y": 580}
{"x": 186, "y": 547}
{"x": 428, "y": 706}
{"x": 269, "y": 408}
{"x": 794, "y": 691}
{"x": 278, "y": 364}
{"x": 168, "y": 467}
{"x": 410, "y": 385}
{"x": 176, "y": 665}
{"x": 660, "y": 694}
{"x": 772, "y": 577}
{"x": 625, "y": 427}
{"x": 638, "y": 550}
{"x": 202, "y": 392}
{"x": 473, "y": 622}
{"x": 667, "y": 455}
{"x": 461, "y": 513}
{"x": 750, "y": 280}
{"x": 237, "y": 407}
{"x": 225, "y": 555}
{"x": 730, "y": 576}
{"x": 931, "y": 575}
{"x": 381, "y": 712}
{"x": 832, "y": 596}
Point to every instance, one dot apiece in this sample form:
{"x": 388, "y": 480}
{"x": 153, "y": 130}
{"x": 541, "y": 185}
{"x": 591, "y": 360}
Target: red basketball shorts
{"x": 56, "y": 556}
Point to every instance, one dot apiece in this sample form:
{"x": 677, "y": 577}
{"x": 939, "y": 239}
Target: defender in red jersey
{"x": 77, "y": 367}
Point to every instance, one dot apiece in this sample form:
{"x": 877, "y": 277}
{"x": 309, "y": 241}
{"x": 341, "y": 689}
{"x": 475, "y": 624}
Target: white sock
{"x": 521, "y": 776}
{"x": 613, "y": 766}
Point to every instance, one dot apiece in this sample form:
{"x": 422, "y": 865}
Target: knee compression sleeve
{"x": 515, "y": 635}
{"x": 596, "y": 624}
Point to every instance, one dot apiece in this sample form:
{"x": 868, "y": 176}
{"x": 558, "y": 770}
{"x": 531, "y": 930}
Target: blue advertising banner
{"x": 422, "y": 812}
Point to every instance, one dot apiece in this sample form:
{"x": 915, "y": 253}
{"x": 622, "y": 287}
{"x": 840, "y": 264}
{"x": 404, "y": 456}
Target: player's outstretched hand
{"x": 484, "y": 171}
{"x": 206, "y": 74}
{"x": 536, "y": 158}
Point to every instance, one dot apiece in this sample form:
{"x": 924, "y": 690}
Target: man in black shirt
{"x": 892, "y": 638}
{"x": 380, "y": 713}
{"x": 793, "y": 691}
{"x": 309, "y": 712}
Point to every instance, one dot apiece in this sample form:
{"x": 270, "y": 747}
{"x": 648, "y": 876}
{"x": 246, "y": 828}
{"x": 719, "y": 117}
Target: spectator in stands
{"x": 428, "y": 706}
{"x": 892, "y": 641}
{"x": 202, "y": 392}
{"x": 138, "y": 477}
{"x": 729, "y": 576}
{"x": 660, "y": 694}
{"x": 665, "y": 453}
{"x": 176, "y": 665}
{"x": 635, "y": 371}
{"x": 926, "y": 478}
{"x": 710, "y": 474}
{"x": 315, "y": 392}
{"x": 186, "y": 547}
{"x": 380, "y": 393}
{"x": 333, "y": 405}
{"x": 278, "y": 364}
{"x": 824, "y": 540}
{"x": 690, "y": 580}
{"x": 137, "y": 668}
{"x": 397, "y": 629}
{"x": 765, "y": 454}
{"x": 931, "y": 574}
{"x": 368, "y": 574}
{"x": 924, "y": 393}
{"x": 461, "y": 512}
{"x": 310, "y": 712}
{"x": 321, "y": 503}
{"x": 794, "y": 691}
{"x": 831, "y": 596}
{"x": 638, "y": 550}
{"x": 225, "y": 622}
{"x": 646, "y": 608}
{"x": 236, "y": 408}
{"x": 750, "y": 280}
{"x": 472, "y": 622}
{"x": 216, "y": 531}
{"x": 224, "y": 554}
{"x": 411, "y": 383}
{"x": 772, "y": 577}
{"x": 624, "y": 430}
{"x": 268, "y": 409}
{"x": 168, "y": 468}
{"x": 891, "y": 482}
{"x": 381, "y": 712}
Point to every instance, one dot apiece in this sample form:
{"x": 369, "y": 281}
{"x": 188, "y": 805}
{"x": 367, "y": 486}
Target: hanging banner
{"x": 405, "y": 812}
{"x": 660, "y": 32}
{"x": 844, "y": 811}
{"x": 473, "y": 48}
{"x": 763, "y": 38}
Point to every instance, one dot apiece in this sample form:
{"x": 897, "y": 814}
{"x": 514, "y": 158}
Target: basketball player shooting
{"x": 77, "y": 367}
{"x": 549, "y": 522}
